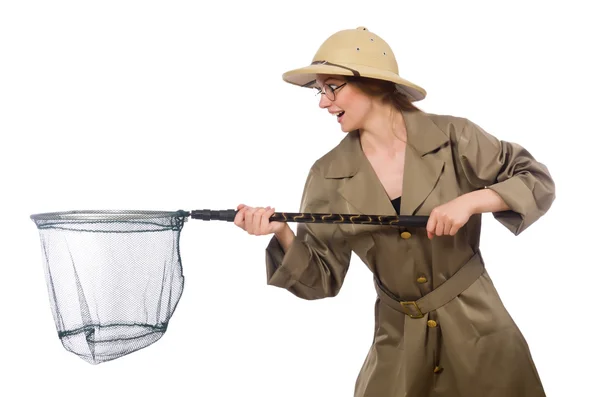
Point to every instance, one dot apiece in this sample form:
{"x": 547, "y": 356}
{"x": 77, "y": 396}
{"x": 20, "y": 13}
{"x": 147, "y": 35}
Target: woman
{"x": 440, "y": 326}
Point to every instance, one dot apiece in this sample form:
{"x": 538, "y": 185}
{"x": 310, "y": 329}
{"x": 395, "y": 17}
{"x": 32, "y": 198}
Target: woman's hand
{"x": 448, "y": 218}
{"x": 255, "y": 220}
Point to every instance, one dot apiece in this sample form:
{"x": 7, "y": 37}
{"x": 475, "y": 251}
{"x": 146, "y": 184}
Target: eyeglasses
{"x": 329, "y": 90}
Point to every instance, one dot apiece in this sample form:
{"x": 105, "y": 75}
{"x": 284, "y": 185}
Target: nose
{"x": 324, "y": 102}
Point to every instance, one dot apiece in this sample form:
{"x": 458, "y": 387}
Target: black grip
{"x": 214, "y": 215}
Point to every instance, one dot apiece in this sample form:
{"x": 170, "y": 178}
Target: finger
{"x": 454, "y": 229}
{"x": 239, "y": 207}
{"x": 448, "y": 226}
{"x": 256, "y": 220}
{"x": 265, "y": 222}
{"x": 263, "y": 225}
{"x": 431, "y": 224}
{"x": 439, "y": 229}
{"x": 239, "y": 217}
{"x": 249, "y": 220}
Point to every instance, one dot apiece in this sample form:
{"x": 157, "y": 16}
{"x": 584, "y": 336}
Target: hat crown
{"x": 357, "y": 47}
{"x": 355, "y": 52}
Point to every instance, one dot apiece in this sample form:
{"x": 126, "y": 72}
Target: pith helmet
{"x": 355, "y": 52}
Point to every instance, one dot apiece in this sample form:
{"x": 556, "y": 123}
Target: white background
{"x": 180, "y": 105}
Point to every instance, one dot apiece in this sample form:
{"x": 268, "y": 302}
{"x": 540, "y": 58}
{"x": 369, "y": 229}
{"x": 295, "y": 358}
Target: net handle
{"x": 308, "y": 217}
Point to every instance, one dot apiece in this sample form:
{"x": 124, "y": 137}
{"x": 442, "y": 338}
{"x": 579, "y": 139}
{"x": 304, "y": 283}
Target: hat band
{"x": 354, "y": 72}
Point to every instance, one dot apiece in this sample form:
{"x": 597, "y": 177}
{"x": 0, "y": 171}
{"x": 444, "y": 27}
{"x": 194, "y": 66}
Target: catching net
{"x": 114, "y": 278}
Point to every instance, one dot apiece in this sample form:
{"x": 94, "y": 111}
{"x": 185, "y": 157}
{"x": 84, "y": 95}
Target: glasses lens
{"x": 329, "y": 92}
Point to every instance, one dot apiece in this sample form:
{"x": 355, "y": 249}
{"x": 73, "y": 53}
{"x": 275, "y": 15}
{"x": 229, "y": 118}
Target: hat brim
{"x": 306, "y": 77}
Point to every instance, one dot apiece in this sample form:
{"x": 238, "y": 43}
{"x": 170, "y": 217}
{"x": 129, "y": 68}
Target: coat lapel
{"x": 423, "y": 163}
{"x": 362, "y": 189}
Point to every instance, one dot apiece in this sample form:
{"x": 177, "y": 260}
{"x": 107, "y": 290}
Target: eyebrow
{"x": 336, "y": 81}
{"x": 313, "y": 83}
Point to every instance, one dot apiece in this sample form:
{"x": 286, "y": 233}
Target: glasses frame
{"x": 329, "y": 91}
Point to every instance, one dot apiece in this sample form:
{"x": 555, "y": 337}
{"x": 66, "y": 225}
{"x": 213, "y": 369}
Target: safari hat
{"x": 355, "y": 52}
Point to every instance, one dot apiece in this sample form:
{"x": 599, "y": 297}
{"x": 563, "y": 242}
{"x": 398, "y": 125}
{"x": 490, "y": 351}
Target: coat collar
{"x": 422, "y": 168}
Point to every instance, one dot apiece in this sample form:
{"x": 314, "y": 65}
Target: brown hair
{"x": 385, "y": 90}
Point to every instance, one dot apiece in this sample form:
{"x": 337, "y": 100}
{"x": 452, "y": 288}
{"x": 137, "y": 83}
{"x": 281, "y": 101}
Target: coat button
{"x": 421, "y": 280}
{"x": 437, "y": 369}
{"x": 431, "y": 323}
{"x": 405, "y": 235}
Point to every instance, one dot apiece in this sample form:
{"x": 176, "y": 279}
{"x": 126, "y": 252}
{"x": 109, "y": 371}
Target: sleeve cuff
{"x": 285, "y": 269}
{"x": 518, "y": 197}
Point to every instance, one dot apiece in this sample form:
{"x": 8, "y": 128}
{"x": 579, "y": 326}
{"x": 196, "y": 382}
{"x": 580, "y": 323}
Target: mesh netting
{"x": 114, "y": 278}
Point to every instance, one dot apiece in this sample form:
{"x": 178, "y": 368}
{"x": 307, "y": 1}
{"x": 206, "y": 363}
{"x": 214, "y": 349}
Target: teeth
{"x": 339, "y": 113}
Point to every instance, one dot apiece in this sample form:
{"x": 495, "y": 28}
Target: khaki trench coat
{"x": 465, "y": 344}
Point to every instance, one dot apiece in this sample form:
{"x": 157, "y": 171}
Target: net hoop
{"x": 107, "y": 215}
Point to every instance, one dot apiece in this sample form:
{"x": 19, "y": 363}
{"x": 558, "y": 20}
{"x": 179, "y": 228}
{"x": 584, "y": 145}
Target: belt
{"x": 437, "y": 298}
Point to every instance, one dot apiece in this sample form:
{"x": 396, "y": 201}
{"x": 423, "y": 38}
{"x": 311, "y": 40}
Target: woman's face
{"x": 350, "y": 105}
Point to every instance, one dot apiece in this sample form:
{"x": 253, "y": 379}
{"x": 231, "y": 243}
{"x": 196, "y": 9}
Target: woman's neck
{"x": 384, "y": 131}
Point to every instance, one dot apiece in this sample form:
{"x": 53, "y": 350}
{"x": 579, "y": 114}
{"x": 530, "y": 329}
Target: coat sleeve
{"x": 510, "y": 170}
{"x": 317, "y": 261}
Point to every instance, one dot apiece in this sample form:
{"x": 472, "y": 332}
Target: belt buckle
{"x": 413, "y": 303}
